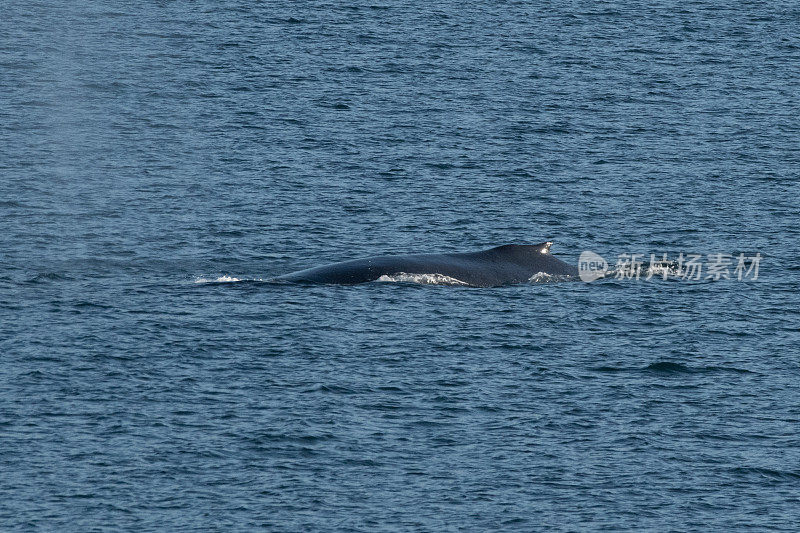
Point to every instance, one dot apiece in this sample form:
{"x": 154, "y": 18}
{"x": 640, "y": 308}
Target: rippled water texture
{"x": 159, "y": 163}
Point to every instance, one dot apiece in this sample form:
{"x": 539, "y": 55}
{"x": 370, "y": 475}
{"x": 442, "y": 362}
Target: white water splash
{"x": 423, "y": 279}
{"x": 543, "y": 277}
{"x": 221, "y": 279}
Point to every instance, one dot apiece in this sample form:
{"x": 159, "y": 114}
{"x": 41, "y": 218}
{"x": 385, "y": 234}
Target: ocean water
{"x": 159, "y": 163}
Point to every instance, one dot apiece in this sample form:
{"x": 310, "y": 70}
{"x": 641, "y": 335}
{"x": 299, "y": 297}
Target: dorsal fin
{"x": 542, "y": 248}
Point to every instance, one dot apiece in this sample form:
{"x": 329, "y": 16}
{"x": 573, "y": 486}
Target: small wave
{"x": 768, "y": 473}
{"x": 45, "y": 277}
{"x": 669, "y": 367}
{"x": 422, "y": 279}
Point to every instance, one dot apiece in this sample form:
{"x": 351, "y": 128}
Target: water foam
{"x": 221, "y": 279}
{"x": 544, "y": 277}
{"x": 422, "y": 279}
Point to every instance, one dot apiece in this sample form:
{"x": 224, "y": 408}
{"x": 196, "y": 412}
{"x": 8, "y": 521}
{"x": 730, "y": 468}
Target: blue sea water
{"x": 160, "y": 162}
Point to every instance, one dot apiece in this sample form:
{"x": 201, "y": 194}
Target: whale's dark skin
{"x": 503, "y": 265}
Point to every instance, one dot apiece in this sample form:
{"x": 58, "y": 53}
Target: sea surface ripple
{"x": 161, "y": 161}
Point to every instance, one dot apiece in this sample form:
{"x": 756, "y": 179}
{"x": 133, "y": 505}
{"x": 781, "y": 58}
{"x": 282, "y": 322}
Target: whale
{"x": 502, "y": 265}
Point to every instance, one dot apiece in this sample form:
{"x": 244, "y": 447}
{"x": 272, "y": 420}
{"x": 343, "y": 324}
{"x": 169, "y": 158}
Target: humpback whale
{"x": 502, "y": 265}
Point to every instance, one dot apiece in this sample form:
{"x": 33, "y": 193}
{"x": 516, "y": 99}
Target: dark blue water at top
{"x": 150, "y": 153}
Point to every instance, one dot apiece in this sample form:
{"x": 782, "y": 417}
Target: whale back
{"x": 501, "y": 265}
